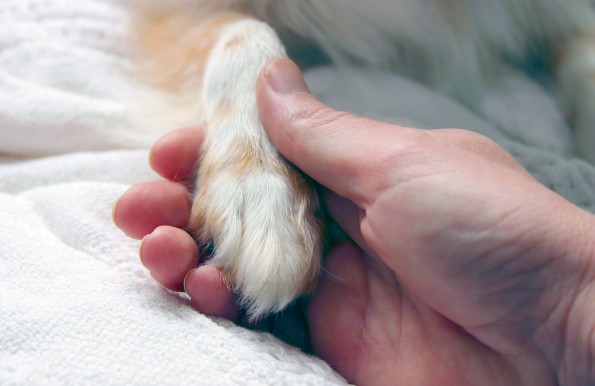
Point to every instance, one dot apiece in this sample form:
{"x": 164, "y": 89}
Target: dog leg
{"x": 253, "y": 207}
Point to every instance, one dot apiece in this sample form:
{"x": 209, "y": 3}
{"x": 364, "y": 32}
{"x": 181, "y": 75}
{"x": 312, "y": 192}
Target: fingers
{"x": 336, "y": 312}
{"x": 148, "y": 205}
{"x": 169, "y": 253}
{"x": 171, "y": 256}
{"x": 158, "y": 210}
{"x": 321, "y": 141}
{"x": 176, "y": 154}
{"x": 209, "y": 294}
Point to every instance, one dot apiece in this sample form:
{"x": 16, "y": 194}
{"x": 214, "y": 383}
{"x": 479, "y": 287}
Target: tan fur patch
{"x": 234, "y": 42}
{"x": 174, "y": 47}
{"x": 303, "y": 195}
{"x": 197, "y": 217}
{"x": 223, "y": 110}
{"x": 207, "y": 170}
{"x": 202, "y": 221}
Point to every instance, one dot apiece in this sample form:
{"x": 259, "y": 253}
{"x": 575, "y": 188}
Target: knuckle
{"x": 469, "y": 138}
{"x": 481, "y": 148}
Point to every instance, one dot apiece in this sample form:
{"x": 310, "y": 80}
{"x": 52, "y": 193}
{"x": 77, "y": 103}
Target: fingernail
{"x": 114, "y": 206}
{"x": 140, "y": 251}
{"x": 186, "y": 279}
{"x": 285, "y": 77}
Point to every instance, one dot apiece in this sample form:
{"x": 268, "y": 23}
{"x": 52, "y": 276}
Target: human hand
{"x": 463, "y": 279}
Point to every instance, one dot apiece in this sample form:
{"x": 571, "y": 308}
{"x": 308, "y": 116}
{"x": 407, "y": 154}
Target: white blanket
{"x": 76, "y": 307}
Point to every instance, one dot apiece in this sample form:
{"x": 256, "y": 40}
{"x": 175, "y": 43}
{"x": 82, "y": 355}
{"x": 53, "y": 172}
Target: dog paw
{"x": 257, "y": 213}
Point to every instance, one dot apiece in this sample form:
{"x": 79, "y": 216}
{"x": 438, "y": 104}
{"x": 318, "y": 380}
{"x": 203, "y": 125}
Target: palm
{"x": 374, "y": 332}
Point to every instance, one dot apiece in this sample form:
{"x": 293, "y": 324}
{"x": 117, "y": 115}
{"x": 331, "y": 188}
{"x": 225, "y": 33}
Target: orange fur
{"x": 176, "y": 47}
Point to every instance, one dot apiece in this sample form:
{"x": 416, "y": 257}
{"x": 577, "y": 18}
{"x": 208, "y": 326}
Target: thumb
{"x": 350, "y": 155}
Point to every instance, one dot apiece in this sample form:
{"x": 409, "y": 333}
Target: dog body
{"x": 253, "y": 206}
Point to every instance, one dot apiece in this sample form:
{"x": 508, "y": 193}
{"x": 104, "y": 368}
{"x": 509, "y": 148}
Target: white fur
{"x": 261, "y": 243}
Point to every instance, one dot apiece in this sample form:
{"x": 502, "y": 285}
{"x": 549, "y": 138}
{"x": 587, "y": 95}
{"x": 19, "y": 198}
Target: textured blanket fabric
{"x": 76, "y": 307}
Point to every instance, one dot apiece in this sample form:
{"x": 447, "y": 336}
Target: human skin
{"x": 463, "y": 268}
